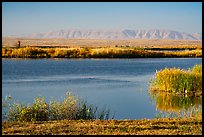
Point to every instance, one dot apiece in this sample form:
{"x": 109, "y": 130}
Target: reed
{"x": 71, "y": 108}
{"x": 178, "y": 80}
{"x": 95, "y": 52}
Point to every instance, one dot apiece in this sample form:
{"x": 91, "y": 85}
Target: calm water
{"x": 118, "y": 84}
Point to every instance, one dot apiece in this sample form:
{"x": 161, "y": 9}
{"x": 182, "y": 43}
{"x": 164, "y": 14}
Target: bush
{"x": 72, "y": 108}
{"x": 178, "y": 81}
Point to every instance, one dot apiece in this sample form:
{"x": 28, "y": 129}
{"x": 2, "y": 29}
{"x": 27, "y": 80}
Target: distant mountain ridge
{"x": 117, "y": 34}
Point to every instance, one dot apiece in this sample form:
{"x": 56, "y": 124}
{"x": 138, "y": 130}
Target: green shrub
{"x": 71, "y": 108}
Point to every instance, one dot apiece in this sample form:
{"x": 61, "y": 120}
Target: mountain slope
{"x": 117, "y": 34}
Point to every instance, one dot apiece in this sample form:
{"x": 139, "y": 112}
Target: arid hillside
{"x": 12, "y": 42}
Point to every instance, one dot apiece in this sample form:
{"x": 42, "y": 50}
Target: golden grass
{"x": 94, "y": 52}
{"x": 160, "y": 126}
{"x": 95, "y": 48}
{"x": 179, "y": 81}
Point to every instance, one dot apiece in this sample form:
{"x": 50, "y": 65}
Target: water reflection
{"x": 181, "y": 105}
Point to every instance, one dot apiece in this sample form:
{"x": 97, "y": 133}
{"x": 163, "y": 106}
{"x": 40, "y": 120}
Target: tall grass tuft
{"x": 197, "y": 69}
{"x": 178, "y": 80}
{"x": 72, "y": 108}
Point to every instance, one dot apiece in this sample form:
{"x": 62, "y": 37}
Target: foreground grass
{"x": 159, "y": 126}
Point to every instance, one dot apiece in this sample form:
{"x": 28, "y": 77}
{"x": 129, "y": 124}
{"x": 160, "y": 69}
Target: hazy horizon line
{"x": 92, "y": 29}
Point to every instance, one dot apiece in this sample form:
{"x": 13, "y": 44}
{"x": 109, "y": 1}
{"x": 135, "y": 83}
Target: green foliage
{"x": 71, "y": 108}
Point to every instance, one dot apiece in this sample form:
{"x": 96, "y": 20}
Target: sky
{"x": 34, "y": 17}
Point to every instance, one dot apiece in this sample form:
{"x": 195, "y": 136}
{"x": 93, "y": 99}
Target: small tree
{"x": 19, "y": 44}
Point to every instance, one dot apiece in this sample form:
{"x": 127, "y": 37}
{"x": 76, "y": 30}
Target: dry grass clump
{"x": 179, "y": 81}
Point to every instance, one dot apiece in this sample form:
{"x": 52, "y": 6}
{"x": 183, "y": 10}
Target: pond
{"x": 122, "y": 85}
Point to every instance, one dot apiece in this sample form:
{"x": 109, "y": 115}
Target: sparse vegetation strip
{"x": 102, "y": 52}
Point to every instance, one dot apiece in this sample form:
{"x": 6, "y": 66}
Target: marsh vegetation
{"x": 178, "y": 81}
{"x": 93, "y": 48}
{"x": 105, "y": 52}
{"x": 72, "y": 108}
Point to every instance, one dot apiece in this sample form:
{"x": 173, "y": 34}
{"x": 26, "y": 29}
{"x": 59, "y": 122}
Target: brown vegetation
{"x": 160, "y": 126}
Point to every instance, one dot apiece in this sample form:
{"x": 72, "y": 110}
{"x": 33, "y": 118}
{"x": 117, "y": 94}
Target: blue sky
{"x": 33, "y": 17}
